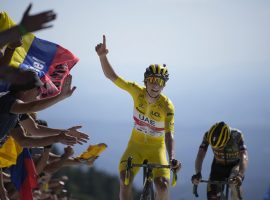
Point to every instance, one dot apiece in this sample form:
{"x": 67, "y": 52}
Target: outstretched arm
{"x": 38, "y": 130}
{"x": 20, "y": 107}
{"x": 25, "y": 141}
{"x": 29, "y": 23}
{"x": 102, "y": 52}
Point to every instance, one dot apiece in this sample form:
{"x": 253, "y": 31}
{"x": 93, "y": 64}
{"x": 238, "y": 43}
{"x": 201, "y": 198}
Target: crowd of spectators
{"x": 19, "y": 121}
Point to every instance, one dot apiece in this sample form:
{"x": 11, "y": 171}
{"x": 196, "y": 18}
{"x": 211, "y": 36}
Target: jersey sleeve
{"x": 130, "y": 87}
{"x": 169, "y": 120}
{"x": 204, "y": 145}
{"x": 241, "y": 144}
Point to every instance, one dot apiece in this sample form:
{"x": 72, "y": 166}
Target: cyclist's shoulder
{"x": 237, "y": 136}
{"x": 236, "y": 133}
{"x": 167, "y": 101}
{"x": 120, "y": 81}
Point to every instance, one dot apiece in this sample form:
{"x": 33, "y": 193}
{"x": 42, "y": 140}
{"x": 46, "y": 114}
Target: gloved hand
{"x": 237, "y": 180}
{"x": 195, "y": 179}
{"x": 175, "y": 165}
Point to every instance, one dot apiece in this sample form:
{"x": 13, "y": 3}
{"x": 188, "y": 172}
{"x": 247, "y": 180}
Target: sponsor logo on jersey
{"x": 156, "y": 114}
{"x": 146, "y": 119}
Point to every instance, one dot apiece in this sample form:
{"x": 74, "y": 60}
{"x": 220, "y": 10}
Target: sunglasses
{"x": 155, "y": 80}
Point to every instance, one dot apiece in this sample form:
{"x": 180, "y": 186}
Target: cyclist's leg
{"x": 235, "y": 190}
{"x": 212, "y": 188}
{"x": 219, "y": 172}
{"x": 162, "y": 187}
{"x": 126, "y": 190}
{"x": 161, "y": 176}
{"x": 211, "y": 191}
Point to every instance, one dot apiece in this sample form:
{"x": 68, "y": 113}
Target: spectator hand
{"x": 68, "y": 152}
{"x": 195, "y": 179}
{"x": 67, "y": 90}
{"x": 88, "y": 162}
{"x": 81, "y": 137}
{"x": 101, "y": 48}
{"x": 36, "y": 22}
{"x": 66, "y": 139}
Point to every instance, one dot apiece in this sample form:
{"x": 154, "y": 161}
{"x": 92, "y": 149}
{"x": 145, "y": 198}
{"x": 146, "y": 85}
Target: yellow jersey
{"x": 151, "y": 120}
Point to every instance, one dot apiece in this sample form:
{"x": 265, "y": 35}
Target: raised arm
{"x": 102, "y": 52}
{"x": 29, "y": 23}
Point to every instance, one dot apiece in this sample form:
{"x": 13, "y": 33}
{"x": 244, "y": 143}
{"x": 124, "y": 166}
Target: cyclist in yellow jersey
{"x": 153, "y": 129}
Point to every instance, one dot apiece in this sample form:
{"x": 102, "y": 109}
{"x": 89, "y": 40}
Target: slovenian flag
{"x": 23, "y": 175}
{"x": 51, "y": 61}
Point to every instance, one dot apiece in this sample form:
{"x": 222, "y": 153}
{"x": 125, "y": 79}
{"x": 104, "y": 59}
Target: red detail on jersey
{"x": 142, "y": 123}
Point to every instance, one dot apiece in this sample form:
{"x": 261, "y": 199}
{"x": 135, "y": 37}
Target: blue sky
{"x": 217, "y": 53}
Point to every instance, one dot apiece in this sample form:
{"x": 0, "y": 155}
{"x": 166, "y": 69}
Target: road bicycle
{"x": 148, "y": 187}
{"x": 221, "y": 186}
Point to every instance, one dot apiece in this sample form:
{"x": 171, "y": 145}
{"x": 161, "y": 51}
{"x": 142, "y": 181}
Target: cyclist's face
{"x": 154, "y": 86}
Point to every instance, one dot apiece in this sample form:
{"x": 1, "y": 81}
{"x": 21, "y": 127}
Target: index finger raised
{"x": 104, "y": 40}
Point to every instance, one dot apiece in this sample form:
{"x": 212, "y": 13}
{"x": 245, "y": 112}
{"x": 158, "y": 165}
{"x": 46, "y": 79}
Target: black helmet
{"x": 157, "y": 70}
{"x": 218, "y": 135}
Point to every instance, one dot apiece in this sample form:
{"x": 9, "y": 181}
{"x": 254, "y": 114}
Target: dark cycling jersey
{"x": 230, "y": 153}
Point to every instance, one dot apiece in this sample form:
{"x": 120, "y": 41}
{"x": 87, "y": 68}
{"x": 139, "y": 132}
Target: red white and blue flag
{"x": 23, "y": 175}
{"x": 51, "y": 61}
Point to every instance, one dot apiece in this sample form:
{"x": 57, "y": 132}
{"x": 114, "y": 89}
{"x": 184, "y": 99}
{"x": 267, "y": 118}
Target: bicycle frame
{"x": 148, "y": 190}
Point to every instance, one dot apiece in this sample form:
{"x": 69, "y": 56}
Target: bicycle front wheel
{"x": 148, "y": 191}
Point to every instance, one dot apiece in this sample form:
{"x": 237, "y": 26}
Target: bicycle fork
{"x": 148, "y": 187}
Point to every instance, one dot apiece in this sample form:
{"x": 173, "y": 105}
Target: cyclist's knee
{"x": 122, "y": 181}
{"x": 162, "y": 184}
{"x": 236, "y": 192}
{"x": 211, "y": 195}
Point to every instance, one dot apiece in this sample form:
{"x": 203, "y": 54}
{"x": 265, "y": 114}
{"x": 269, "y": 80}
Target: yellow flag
{"x": 92, "y": 151}
{"x": 9, "y": 153}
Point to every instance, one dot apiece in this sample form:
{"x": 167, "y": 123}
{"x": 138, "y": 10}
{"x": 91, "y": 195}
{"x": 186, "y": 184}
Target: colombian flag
{"x": 51, "y": 61}
{"x": 23, "y": 175}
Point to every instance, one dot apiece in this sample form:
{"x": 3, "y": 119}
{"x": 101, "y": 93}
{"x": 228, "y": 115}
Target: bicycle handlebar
{"x": 147, "y": 165}
{"x": 195, "y": 187}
